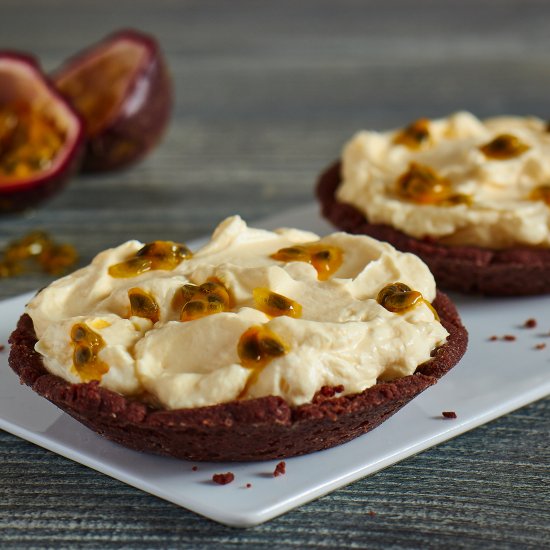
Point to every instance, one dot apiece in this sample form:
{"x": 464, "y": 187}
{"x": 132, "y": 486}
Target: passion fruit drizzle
{"x": 414, "y": 135}
{"x": 326, "y": 259}
{"x": 143, "y": 304}
{"x": 36, "y": 251}
{"x": 274, "y": 304}
{"x": 504, "y": 147}
{"x": 257, "y": 347}
{"x": 86, "y": 346}
{"x": 30, "y": 140}
{"x": 196, "y": 301}
{"x": 423, "y": 185}
{"x": 541, "y": 193}
{"x": 165, "y": 255}
{"x": 400, "y": 298}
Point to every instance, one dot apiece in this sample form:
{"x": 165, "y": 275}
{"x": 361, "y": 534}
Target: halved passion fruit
{"x": 122, "y": 90}
{"x": 41, "y": 136}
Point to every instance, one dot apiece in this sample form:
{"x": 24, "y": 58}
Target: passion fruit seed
{"x": 257, "y": 347}
{"x": 165, "y": 255}
{"x": 37, "y": 251}
{"x": 541, "y": 193}
{"x": 143, "y": 304}
{"x": 82, "y": 354}
{"x": 398, "y": 297}
{"x": 86, "y": 346}
{"x": 326, "y": 259}
{"x": 423, "y": 185}
{"x": 274, "y": 304}
{"x": 415, "y": 135}
{"x": 196, "y": 301}
{"x": 503, "y": 147}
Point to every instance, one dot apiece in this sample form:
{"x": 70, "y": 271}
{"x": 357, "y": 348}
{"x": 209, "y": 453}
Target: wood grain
{"x": 266, "y": 95}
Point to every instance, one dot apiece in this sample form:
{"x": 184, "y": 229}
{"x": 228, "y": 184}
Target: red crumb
{"x": 371, "y": 513}
{"x": 339, "y": 389}
{"x": 493, "y": 338}
{"x": 280, "y": 469}
{"x": 195, "y": 468}
{"x": 248, "y": 485}
{"x": 448, "y": 414}
{"x": 530, "y": 323}
{"x": 2, "y": 347}
{"x": 223, "y": 479}
{"x": 509, "y": 338}
{"x": 542, "y": 345}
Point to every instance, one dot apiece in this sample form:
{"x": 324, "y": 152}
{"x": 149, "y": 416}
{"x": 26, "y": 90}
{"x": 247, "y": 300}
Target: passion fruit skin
{"x": 29, "y": 191}
{"x": 143, "y": 113}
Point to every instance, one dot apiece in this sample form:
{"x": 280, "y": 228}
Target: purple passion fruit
{"x": 41, "y": 136}
{"x": 121, "y": 88}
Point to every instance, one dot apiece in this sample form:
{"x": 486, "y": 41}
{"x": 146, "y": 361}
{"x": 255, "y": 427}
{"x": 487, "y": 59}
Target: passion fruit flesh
{"x": 41, "y": 136}
{"x": 122, "y": 90}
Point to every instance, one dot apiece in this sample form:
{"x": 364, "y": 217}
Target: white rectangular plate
{"x": 493, "y": 379}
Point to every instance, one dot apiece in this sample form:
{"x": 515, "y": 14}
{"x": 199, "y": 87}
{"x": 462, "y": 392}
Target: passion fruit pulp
{"x": 41, "y": 136}
{"x": 121, "y": 88}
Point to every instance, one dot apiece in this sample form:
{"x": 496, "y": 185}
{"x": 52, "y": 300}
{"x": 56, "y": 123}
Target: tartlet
{"x": 293, "y": 418}
{"x": 506, "y": 251}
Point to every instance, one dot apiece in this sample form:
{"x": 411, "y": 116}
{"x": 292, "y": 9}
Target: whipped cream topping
{"x": 501, "y": 211}
{"x": 342, "y": 337}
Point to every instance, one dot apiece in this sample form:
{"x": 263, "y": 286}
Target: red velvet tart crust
{"x": 255, "y": 429}
{"x": 518, "y": 271}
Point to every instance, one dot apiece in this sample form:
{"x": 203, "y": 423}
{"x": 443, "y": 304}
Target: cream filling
{"x": 501, "y": 214}
{"x": 343, "y": 337}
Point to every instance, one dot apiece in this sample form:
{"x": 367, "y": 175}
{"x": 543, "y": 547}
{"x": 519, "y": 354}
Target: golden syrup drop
{"x": 257, "y": 347}
{"x": 143, "y": 304}
{"x": 326, "y": 259}
{"x": 274, "y": 304}
{"x": 165, "y": 255}
{"x": 503, "y": 147}
{"x": 414, "y": 135}
{"x": 86, "y": 346}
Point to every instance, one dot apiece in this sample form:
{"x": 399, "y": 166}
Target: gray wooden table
{"x": 266, "y": 93}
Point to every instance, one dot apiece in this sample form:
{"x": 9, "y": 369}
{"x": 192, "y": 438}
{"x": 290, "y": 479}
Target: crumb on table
{"x": 509, "y": 338}
{"x": 542, "y": 345}
{"x": 530, "y": 323}
{"x": 448, "y": 414}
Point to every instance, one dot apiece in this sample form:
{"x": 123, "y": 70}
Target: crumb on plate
{"x": 223, "y": 479}
{"x": 280, "y": 469}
